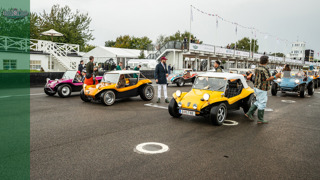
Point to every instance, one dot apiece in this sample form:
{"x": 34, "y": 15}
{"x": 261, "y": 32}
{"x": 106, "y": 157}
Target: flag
{"x": 191, "y": 15}
{"x": 236, "y": 29}
{"x": 217, "y": 23}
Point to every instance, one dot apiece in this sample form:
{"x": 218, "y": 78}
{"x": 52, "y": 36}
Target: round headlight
{"x": 180, "y": 104}
{"x": 206, "y": 97}
{"x": 195, "y": 106}
{"x": 178, "y": 93}
{"x": 84, "y": 85}
{"x": 297, "y": 81}
{"x": 278, "y": 80}
{"x": 311, "y": 76}
{"x": 48, "y": 79}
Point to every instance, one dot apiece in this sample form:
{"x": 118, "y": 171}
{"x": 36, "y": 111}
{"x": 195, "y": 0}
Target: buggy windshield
{"x": 210, "y": 83}
{"x": 110, "y": 78}
{"x": 69, "y": 75}
{"x": 297, "y": 74}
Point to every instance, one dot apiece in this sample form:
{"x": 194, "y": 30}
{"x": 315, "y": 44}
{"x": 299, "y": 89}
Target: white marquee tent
{"x": 101, "y": 54}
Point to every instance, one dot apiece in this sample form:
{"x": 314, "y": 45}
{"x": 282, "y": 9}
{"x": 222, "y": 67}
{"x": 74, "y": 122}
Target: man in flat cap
{"x": 160, "y": 74}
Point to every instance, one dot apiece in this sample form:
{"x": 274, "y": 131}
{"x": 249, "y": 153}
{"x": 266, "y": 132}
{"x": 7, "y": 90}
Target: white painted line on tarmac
{"x": 37, "y": 94}
{"x": 151, "y": 148}
{"x": 230, "y": 123}
{"x": 155, "y": 106}
{"x": 268, "y": 109}
{"x": 288, "y": 101}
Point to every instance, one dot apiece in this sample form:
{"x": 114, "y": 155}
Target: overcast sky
{"x": 287, "y": 19}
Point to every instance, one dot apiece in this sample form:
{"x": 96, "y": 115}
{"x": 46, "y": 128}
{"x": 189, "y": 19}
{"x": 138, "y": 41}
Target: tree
{"x": 278, "y": 54}
{"x": 142, "y": 56}
{"x": 244, "y": 44}
{"x": 126, "y": 41}
{"x": 88, "y": 48}
{"x": 178, "y": 36}
{"x": 14, "y": 27}
{"x": 73, "y": 25}
{"x": 109, "y": 43}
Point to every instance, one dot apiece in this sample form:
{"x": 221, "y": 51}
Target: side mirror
{"x": 223, "y": 94}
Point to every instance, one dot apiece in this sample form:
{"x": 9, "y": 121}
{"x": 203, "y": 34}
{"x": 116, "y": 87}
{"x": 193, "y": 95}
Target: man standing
{"x": 137, "y": 68}
{"x": 261, "y": 87}
{"x": 169, "y": 69}
{"x": 80, "y": 67}
{"x": 90, "y": 79}
{"x": 160, "y": 74}
{"x": 217, "y": 66}
{"x": 119, "y": 67}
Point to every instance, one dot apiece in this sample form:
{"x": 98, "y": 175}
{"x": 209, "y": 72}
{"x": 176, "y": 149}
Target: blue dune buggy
{"x": 294, "y": 81}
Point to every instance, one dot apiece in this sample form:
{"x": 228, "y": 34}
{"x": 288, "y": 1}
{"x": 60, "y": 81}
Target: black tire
{"x": 274, "y": 89}
{"x": 108, "y": 98}
{"x": 247, "y": 103}
{"x": 180, "y": 82}
{"x": 83, "y": 96}
{"x": 218, "y": 114}
{"x": 147, "y": 93}
{"x": 64, "y": 90}
{"x": 311, "y": 89}
{"x": 316, "y": 84}
{"x": 302, "y": 91}
{"x": 173, "y": 108}
{"x": 49, "y": 93}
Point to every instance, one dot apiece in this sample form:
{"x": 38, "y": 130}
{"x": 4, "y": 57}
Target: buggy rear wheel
{"x": 147, "y": 93}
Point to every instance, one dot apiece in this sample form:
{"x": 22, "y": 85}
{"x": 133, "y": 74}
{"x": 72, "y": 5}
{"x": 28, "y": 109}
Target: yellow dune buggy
{"x": 118, "y": 84}
{"x": 212, "y": 96}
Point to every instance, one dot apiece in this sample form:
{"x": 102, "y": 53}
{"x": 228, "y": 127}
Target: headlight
{"x": 84, "y": 86}
{"x": 195, "y": 106}
{"x": 206, "y": 97}
{"x": 48, "y": 79}
{"x": 180, "y": 104}
{"x": 297, "y": 81}
{"x": 278, "y": 80}
{"x": 311, "y": 76}
{"x": 178, "y": 93}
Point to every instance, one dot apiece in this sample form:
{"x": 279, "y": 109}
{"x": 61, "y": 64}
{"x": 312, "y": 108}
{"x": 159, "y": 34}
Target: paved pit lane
{"x": 71, "y": 139}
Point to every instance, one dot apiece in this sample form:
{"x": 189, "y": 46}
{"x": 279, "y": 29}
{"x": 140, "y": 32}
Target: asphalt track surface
{"x": 71, "y": 139}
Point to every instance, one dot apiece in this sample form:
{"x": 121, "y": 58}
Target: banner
{"x": 201, "y": 47}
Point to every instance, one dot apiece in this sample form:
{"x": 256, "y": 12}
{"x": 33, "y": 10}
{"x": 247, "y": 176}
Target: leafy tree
{"x": 278, "y": 54}
{"x": 142, "y": 56}
{"x": 178, "y": 36}
{"x": 14, "y": 27}
{"x": 126, "y": 41}
{"x": 109, "y": 43}
{"x": 88, "y": 48}
{"x": 244, "y": 44}
{"x": 73, "y": 25}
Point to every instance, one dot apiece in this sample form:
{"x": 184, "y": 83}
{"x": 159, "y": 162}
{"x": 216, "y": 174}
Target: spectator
{"x": 90, "y": 79}
{"x": 169, "y": 69}
{"x": 286, "y": 68}
{"x": 261, "y": 87}
{"x": 217, "y": 66}
{"x": 41, "y": 69}
{"x": 137, "y": 68}
{"x": 185, "y": 42}
{"x": 119, "y": 67}
{"x": 160, "y": 75}
{"x": 80, "y": 67}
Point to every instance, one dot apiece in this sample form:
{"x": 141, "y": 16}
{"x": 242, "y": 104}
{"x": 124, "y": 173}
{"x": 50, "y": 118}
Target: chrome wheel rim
{"x": 181, "y": 83}
{"x": 109, "y": 98}
{"x": 149, "y": 92}
{"x": 65, "y": 91}
{"x": 221, "y": 114}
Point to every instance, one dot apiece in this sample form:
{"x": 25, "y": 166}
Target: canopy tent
{"x": 101, "y": 54}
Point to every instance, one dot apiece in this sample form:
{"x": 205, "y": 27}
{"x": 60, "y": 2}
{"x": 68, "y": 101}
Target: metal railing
{"x": 168, "y": 45}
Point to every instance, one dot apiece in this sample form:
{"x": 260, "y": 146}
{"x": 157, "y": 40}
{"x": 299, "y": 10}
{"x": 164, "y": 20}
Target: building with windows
{"x": 298, "y": 50}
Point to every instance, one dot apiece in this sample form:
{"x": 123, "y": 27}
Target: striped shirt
{"x": 261, "y": 75}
